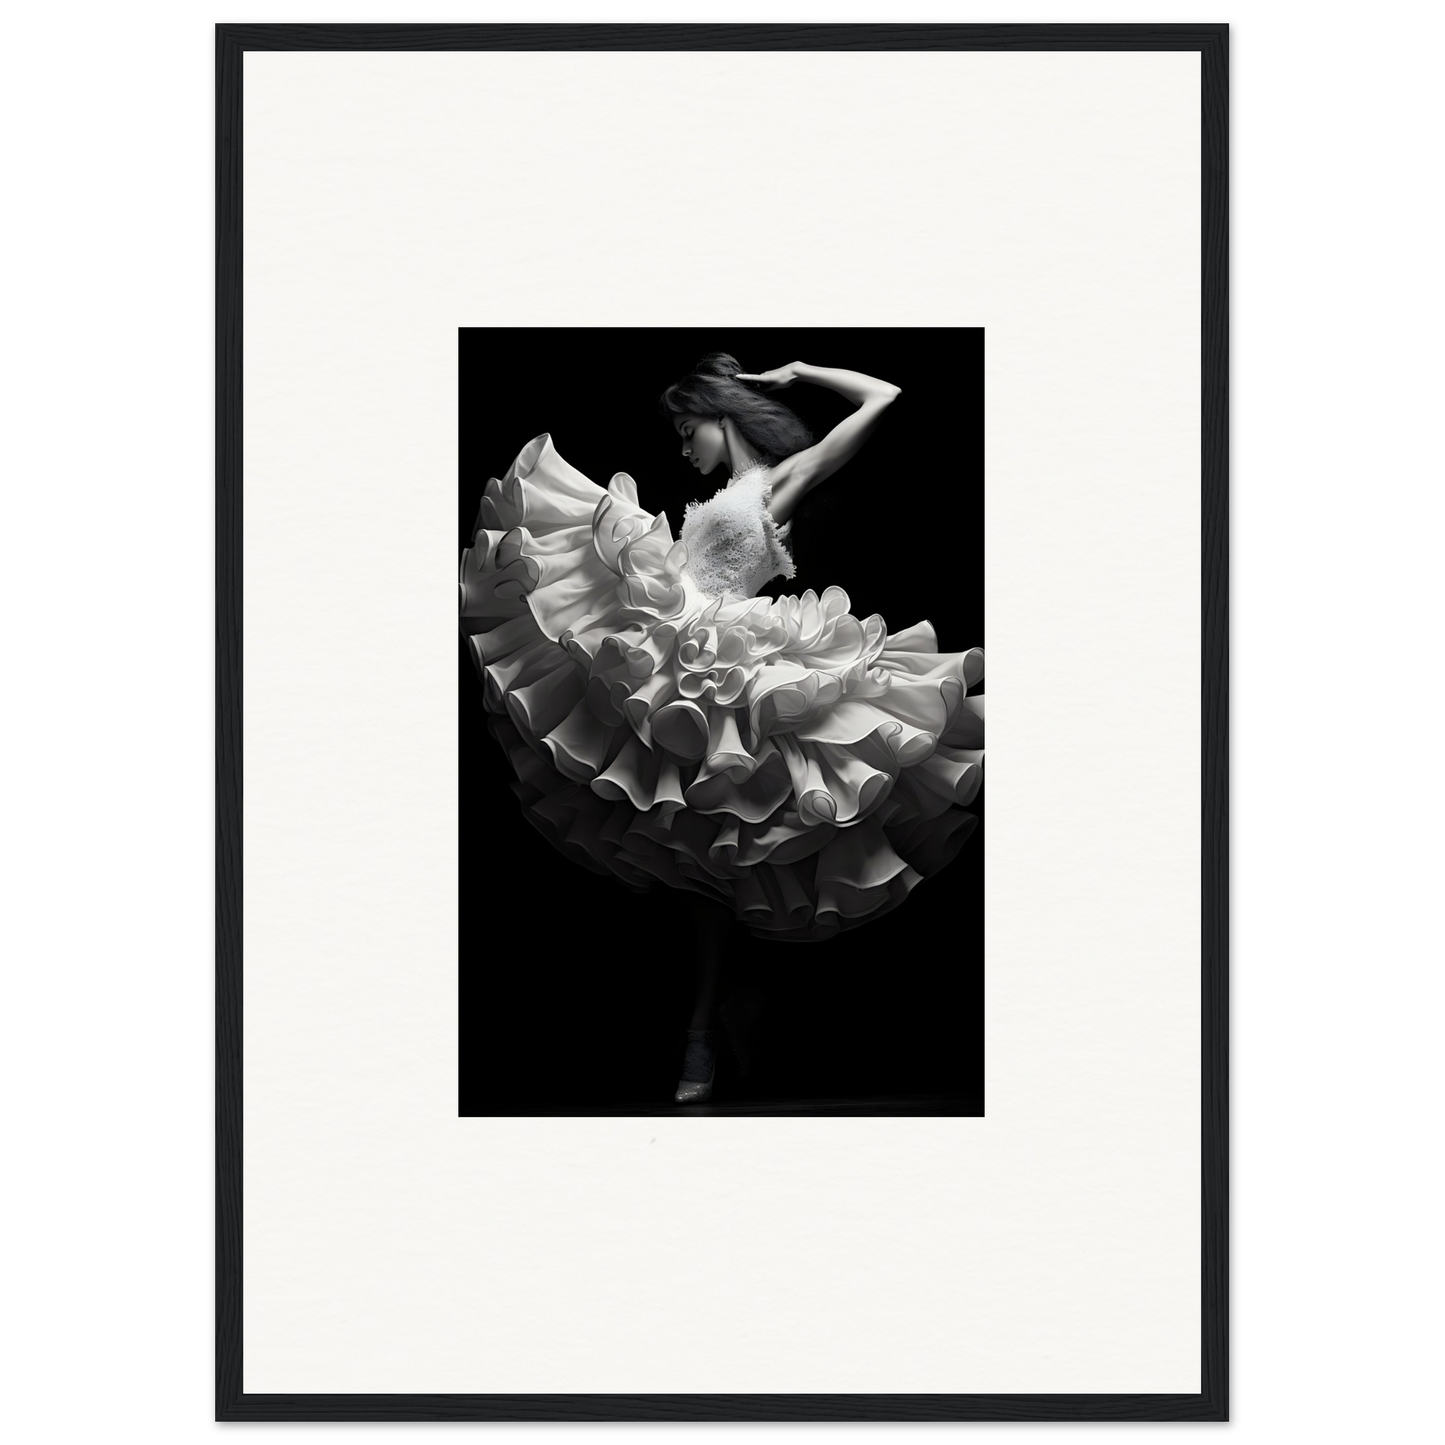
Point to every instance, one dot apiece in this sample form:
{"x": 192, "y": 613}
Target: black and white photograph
{"x": 720, "y": 730}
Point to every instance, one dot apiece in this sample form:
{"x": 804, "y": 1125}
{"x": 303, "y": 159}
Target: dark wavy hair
{"x": 710, "y": 389}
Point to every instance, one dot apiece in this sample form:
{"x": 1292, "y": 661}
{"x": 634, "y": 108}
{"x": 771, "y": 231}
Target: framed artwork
{"x": 625, "y": 1007}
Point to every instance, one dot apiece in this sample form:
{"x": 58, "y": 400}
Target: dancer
{"x": 799, "y": 767}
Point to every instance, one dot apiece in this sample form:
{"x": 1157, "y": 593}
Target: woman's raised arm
{"x": 798, "y": 474}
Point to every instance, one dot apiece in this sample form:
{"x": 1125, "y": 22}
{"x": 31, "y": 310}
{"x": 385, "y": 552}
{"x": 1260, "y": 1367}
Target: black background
{"x": 575, "y": 990}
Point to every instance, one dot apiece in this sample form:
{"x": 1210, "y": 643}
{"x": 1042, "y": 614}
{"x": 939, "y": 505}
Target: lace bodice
{"x": 733, "y": 544}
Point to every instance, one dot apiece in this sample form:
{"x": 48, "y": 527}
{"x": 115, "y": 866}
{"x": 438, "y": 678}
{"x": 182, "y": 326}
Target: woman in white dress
{"x": 800, "y": 766}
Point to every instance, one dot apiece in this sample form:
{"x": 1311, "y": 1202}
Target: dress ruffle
{"x": 801, "y": 765}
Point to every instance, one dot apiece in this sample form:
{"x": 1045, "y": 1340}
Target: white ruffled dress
{"x": 665, "y": 723}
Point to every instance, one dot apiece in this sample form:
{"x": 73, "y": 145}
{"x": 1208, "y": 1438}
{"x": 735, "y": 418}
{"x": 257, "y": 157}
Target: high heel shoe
{"x": 699, "y": 1067}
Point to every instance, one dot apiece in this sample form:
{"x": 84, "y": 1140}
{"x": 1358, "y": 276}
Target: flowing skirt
{"x": 802, "y": 766}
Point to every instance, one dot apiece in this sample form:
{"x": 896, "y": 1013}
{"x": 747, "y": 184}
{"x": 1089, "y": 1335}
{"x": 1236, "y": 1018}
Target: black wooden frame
{"x": 1211, "y": 42}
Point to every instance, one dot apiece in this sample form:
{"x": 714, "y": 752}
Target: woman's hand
{"x": 775, "y": 380}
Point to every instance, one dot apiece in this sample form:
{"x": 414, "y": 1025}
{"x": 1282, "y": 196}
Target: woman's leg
{"x": 709, "y": 931}
{"x": 709, "y": 936}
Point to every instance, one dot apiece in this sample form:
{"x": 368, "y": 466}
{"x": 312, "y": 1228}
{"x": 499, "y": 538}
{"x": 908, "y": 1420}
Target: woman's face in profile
{"x": 703, "y": 442}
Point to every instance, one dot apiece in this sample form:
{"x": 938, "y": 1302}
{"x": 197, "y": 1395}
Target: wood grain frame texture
{"x": 232, "y": 1403}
